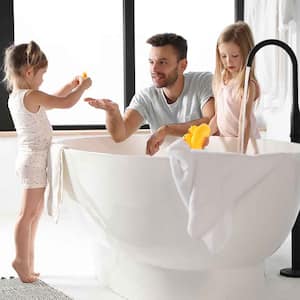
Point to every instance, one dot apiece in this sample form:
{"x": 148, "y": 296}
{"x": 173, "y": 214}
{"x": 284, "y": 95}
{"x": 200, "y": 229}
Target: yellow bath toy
{"x": 192, "y": 129}
{"x": 197, "y": 136}
{"x": 188, "y": 138}
{"x": 84, "y": 75}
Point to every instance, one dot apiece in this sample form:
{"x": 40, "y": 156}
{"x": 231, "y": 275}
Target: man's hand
{"x": 156, "y": 139}
{"x": 105, "y": 104}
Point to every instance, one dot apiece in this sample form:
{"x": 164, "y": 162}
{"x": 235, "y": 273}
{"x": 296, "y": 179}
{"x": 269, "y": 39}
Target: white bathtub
{"x": 141, "y": 218}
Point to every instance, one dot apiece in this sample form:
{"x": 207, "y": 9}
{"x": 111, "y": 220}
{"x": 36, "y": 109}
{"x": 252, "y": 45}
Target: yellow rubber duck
{"x": 197, "y": 136}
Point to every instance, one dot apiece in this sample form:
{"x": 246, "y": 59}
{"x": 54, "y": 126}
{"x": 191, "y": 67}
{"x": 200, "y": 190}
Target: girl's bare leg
{"x": 33, "y": 235}
{"x": 31, "y": 202}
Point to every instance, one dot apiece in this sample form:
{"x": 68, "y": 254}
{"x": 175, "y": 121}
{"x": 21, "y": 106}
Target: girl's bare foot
{"x": 23, "y": 272}
{"x": 37, "y": 274}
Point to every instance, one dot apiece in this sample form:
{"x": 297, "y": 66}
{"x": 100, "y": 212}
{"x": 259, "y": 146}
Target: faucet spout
{"x": 294, "y": 271}
{"x": 295, "y": 114}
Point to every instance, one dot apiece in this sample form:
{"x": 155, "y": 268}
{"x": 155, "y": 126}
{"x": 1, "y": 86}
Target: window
{"x": 199, "y": 22}
{"x": 88, "y": 36}
{"x": 76, "y": 36}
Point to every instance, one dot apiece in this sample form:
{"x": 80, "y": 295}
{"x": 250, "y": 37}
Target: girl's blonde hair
{"x": 240, "y": 34}
{"x": 18, "y": 57}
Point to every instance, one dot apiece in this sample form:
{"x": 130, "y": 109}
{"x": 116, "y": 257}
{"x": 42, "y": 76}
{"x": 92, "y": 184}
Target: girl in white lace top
{"x": 25, "y": 65}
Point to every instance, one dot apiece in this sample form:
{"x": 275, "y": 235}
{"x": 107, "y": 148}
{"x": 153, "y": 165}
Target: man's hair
{"x": 164, "y": 39}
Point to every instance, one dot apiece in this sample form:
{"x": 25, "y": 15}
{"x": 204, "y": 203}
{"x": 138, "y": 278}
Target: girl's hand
{"x": 86, "y": 83}
{"x": 76, "y": 81}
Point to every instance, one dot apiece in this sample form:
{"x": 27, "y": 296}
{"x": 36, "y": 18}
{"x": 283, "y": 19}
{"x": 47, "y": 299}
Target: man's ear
{"x": 183, "y": 64}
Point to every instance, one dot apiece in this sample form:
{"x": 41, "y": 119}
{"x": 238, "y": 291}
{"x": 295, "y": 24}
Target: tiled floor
{"x": 65, "y": 259}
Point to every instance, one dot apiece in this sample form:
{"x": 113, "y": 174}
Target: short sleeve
{"x": 205, "y": 88}
{"x": 137, "y": 103}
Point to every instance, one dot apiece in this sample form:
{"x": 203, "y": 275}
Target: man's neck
{"x": 173, "y": 92}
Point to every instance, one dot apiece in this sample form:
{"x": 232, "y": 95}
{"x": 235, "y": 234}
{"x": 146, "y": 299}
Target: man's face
{"x": 164, "y": 66}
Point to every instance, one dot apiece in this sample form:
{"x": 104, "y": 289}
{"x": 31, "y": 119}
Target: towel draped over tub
{"x": 54, "y": 189}
{"x": 211, "y": 184}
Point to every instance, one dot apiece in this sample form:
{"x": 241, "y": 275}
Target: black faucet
{"x": 294, "y": 271}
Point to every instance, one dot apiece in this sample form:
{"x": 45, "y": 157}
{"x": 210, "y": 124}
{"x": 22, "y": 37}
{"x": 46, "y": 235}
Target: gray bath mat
{"x": 14, "y": 289}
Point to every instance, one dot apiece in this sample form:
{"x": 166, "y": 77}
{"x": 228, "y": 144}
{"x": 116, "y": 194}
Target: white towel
{"x": 54, "y": 189}
{"x": 211, "y": 184}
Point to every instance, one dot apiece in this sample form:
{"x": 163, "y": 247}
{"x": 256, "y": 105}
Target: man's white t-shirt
{"x": 152, "y": 104}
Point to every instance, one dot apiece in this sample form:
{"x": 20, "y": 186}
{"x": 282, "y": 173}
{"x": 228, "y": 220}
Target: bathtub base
{"x": 136, "y": 281}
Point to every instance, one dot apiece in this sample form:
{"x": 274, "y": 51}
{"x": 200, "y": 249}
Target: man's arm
{"x": 122, "y": 128}
{"x": 119, "y": 128}
{"x": 179, "y": 129}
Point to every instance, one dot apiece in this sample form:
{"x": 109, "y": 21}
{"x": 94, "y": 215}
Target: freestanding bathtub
{"x": 145, "y": 252}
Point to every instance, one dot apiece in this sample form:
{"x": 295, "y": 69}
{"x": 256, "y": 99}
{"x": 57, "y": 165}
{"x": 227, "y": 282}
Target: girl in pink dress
{"x": 233, "y": 47}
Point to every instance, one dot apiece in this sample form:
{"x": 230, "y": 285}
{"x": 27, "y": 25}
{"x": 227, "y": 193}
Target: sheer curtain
{"x": 274, "y": 19}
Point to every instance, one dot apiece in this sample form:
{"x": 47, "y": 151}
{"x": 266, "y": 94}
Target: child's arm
{"x": 252, "y": 95}
{"x": 65, "y": 90}
{"x": 213, "y": 125}
{"x": 34, "y": 99}
{"x": 214, "y": 130}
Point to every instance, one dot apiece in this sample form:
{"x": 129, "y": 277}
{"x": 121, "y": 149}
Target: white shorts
{"x": 31, "y": 167}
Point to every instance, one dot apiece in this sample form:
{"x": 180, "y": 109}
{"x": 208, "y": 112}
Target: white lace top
{"x": 33, "y": 129}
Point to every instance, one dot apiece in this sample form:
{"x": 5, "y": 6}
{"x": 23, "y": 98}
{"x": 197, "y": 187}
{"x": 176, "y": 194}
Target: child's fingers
{"x": 87, "y": 82}
{"x": 80, "y": 78}
{"x": 76, "y": 81}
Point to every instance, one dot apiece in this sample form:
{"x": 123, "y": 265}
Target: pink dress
{"x": 228, "y": 112}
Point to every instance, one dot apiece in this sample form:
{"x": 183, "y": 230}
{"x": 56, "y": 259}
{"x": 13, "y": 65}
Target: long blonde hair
{"x": 240, "y": 34}
{"x": 18, "y": 57}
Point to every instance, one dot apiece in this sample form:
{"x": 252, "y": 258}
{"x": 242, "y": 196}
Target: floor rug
{"x": 14, "y": 289}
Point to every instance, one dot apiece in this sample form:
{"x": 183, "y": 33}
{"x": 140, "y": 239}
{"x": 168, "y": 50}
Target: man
{"x": 174, "y": 102}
